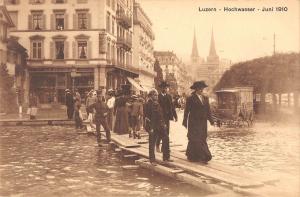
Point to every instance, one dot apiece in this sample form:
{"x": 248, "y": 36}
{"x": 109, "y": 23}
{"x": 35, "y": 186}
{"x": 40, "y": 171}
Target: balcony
{"x": 126, "y": 43}
{"x": 123, "y": 19}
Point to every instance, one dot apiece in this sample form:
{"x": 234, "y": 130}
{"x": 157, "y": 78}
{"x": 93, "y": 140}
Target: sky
{"x": 239, "y": 36}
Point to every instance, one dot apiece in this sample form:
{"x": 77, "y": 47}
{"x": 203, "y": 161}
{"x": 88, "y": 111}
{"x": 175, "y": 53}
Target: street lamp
{"x": 73, "y": 75}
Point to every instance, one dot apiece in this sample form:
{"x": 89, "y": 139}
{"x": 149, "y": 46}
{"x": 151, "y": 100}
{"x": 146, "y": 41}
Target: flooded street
{"x": 272, "y": 149}
{"x": 56, "y": 161}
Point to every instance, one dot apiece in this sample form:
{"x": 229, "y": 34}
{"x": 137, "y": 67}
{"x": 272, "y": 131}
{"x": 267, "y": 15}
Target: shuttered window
{"x": 37, "y": 49}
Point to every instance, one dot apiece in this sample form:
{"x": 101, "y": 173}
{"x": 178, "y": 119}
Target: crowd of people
{"x": 124, "y": 112}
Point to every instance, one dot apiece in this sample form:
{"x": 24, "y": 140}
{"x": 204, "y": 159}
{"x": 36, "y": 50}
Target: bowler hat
{"x": 163, "y": 84}
{"x": 199, "y": 85}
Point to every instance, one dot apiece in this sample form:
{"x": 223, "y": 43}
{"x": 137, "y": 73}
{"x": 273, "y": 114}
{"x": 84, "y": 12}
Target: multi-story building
{"x": 75, "y": 44}
{"x": 171, "y": 65}
{"x": 143, "y": 38}
{"x": 168, "y": 62}
{"x": 12, "y": 54}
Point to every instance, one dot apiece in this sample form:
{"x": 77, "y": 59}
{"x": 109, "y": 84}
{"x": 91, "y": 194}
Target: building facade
{"x": 12, "y": 54}
{"x": 173, "y": 68}
{"x": 143, "y": 38}
{"x": 74, "y": 44}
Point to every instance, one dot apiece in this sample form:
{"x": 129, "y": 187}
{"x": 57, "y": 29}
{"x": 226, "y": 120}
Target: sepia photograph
{"x": 132, "y": 98}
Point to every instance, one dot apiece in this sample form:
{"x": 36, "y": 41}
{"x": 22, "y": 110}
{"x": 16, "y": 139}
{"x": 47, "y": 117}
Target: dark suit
{"x": 169, "y": 112}
{"x": 196, "y": 114}
{"x": 155, "y": 126}
{"x": 70, "y": 105}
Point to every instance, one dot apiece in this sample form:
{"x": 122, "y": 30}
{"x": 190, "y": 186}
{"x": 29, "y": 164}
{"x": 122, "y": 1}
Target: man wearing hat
{"x": 69, "y": 104}
{"x": 155, "y": 125}
{"x": 100, "y": 117}
{"x": 169, "y": 113}
{"x": 196, "y": 114}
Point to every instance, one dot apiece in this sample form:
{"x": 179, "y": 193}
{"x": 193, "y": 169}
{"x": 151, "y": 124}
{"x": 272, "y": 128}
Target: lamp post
{"x": 73, "y": 75}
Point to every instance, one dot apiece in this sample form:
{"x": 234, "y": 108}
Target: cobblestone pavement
{"x": 57, "y": 161}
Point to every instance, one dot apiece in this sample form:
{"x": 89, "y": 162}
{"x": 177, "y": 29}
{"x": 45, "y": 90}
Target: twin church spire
{"x": 212, "y": 56}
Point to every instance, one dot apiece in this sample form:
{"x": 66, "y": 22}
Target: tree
{"x": 7, "y": 94}
{"x": 275, "y": 74}
{"x": 159, "y": 77}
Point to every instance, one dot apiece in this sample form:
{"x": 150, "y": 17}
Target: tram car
{"x": 234, "y": 107}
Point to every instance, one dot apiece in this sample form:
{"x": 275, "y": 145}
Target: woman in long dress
{"x": 196, "y": 114}
{"x": 121, "y": 123}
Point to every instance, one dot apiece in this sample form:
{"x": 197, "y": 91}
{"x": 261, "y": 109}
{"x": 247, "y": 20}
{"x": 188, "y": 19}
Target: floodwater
{"x": 269, "y": 149}
{"x": 57, "y": 161}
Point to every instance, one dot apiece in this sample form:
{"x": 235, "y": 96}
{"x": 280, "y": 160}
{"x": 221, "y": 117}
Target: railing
{"x": 125, "y": 42}
{"x": 123, "y": 19}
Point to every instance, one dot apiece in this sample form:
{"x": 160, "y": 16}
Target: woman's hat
{"x": 163, "y": 84}
{"x": 134, "y": 96}
{"x": 199, "y": 85}
{"x": 67, "y": 90}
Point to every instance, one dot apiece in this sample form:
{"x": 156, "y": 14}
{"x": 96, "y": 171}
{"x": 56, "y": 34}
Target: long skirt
{"x": 121, "y": 123}
{"x": 198, "y": 151}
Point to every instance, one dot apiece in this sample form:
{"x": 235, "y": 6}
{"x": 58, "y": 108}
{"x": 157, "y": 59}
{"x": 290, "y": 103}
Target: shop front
{"x": 50, "y": 85}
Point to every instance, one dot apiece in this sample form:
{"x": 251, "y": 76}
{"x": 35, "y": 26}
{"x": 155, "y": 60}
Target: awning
{"x": 135, "y": 84}
{"x": 146, "y": 88}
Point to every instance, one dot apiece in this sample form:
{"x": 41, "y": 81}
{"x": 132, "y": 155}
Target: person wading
{"x": 100, "y": 117}
{"x": 196, "y": 114}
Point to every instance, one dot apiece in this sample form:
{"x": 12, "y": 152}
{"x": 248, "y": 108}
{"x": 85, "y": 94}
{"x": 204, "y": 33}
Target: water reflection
{"x": 59, "y": 162}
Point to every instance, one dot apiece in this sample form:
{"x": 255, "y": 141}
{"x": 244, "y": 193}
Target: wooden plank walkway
{"x": 28, "y": 122}
{"x": 238, "y": 182}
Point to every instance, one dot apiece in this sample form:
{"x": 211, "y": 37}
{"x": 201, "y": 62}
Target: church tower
{"x": 195, "y": 58}
{"x": 212, "y": 57}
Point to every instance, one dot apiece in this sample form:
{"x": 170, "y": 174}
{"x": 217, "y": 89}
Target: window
{"x": 37, "y": 21}
{"x": 82, "y": 49}
{"x": 59, "y": 50}
{"x": 108, "y": 51}
{"x": 14, "y": 17}
{"x": 36, "y": 1}
{"x": 113, "y": 26}
{"x": 108, "y": 22}
{"x": 11, "y": 2}
{"x": 113, "y": 4}
{"x": 82, "y": 20}
{"x": 37, "y": 49}
{"x": 59, "y": 21}
{"x": 82, "y": 1}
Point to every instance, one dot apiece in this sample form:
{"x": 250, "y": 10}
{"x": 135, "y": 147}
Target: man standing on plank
{"x": 168, "y": 110}
{"x": 155, "y": 126}
{"x": 100, "y": 117}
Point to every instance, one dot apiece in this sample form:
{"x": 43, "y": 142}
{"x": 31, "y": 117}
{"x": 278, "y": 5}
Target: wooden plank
{"x": 235, "y": 171}
{"x": 123, "y": 140}
{"x": 130, "y": 167}
{"x": 213, "y": 173}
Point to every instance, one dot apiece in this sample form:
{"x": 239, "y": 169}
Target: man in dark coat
{"x": 168, "y": 109}
{"x": 69, "y": 104}
{"x": 155, "y": 126}
{"x": 100, "y": 117}
{"x": 196, "y": 114}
